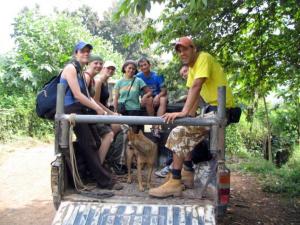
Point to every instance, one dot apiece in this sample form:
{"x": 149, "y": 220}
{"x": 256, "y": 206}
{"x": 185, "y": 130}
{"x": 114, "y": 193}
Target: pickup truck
{"x": 201, "y": 205}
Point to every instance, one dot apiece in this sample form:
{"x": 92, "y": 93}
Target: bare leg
{"x": 116, "y": 128}
{"x": 162, "y": 106}
{"x": 177, "y": 162}
{"x": 105, "y": 144}
{"x": 148, "y": 103}
{"x": 161, "y": 110}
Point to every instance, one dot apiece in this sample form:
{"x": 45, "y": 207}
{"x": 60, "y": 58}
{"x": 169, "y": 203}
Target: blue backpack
{"x": 46, "y": 98}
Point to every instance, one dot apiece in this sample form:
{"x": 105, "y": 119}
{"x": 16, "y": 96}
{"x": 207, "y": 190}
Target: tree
{"x": 44, "y": 44}
{"x": 256, "y": 41}
{"x": 115, "y": 31}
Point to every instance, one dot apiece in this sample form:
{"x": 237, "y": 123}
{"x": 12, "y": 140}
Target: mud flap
{"x": 112, "y": 213}
{"x": 57, "y": 180}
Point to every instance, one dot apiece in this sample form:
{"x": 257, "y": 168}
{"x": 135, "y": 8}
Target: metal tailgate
{"x": 93, "y": 213}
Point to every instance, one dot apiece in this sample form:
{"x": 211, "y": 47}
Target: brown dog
{"x": 145, "y": 152}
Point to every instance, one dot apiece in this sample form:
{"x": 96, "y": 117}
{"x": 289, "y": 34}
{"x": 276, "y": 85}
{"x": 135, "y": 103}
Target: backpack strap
{"x": 77, "y": 66}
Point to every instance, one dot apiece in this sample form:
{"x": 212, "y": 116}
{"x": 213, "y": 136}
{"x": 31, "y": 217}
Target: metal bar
{"x": 222, "y": 119}
{"x": 214, "y": 147}
{"x": 60, "y": 99}
{"x": 140, "y": 120}
{"x": 221, "y": 102}
{"x": 63, "y": 139}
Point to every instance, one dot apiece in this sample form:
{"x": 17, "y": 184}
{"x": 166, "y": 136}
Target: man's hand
{"x": 170, "y": 117}
{"x": 156, "y": 100}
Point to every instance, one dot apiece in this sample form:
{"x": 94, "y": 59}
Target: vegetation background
{"x": 257, "y": 42}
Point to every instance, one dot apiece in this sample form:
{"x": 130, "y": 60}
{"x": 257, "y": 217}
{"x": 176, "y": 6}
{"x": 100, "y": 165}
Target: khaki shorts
{"x": 182, "y": 139}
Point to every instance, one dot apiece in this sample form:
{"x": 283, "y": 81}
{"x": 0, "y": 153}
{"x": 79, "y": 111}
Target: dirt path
{"x": 250, "y": 205}
{"x": 25, "y": 195}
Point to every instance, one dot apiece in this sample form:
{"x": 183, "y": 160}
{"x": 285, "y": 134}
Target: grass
{"x": 284, "y": 180}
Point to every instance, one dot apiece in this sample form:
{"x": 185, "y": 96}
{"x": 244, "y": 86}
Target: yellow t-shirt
{"x": 208, "y": 67}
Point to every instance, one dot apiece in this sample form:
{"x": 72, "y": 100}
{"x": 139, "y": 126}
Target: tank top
{"x": 69, "y": 97}
{"x": 104, "y": 95}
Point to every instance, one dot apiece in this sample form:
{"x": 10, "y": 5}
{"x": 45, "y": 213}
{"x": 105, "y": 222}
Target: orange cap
{"x": 184, "y": 41}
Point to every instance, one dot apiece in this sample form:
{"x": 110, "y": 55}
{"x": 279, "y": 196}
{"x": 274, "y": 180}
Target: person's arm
{"x": 98, "y": 86}
{"x": 97, "y": 96}
{"x": 147, "y": 91}
{"x": 116, "y": 96}
{"x": 195, "y": 107}
{"x": 163, "y": 92}
{"x": 193, "y": 95}
{"x": 192, "y": 99}
{"x": 70, "y": 75}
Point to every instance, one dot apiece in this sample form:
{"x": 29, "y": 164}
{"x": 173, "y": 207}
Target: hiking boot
{"x": 187, "y": 178}
{"x": 172, "y": 187}
{"x": 163, "y": 172}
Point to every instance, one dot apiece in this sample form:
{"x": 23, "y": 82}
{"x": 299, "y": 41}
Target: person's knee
{"x": 109, "y": 136}
{"x": 149, "y": 101}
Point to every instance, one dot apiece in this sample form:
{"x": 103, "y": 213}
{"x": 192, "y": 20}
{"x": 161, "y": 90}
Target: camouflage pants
{"x": 183, "y": 139}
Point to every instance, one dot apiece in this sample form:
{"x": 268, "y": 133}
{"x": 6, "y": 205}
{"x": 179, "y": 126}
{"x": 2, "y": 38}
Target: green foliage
{"x": 256, "y": 42}
{"x": 234, "y": 142}
{"x": 43, "y": 45}
{"x": 277, "y": 180}
{"x": 18, "y": 118}
{"x": 118, "y": 33}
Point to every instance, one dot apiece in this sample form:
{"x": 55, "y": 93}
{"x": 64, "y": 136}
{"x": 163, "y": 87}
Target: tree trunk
{"x": 269, "y": 130}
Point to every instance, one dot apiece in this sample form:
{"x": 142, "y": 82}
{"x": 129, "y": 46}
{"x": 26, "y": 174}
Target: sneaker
{"x": 119, "y": 169}
{"x": 163, "y": 172}
{"x": 155, "y": 132}
{"x": 117, "y": 187}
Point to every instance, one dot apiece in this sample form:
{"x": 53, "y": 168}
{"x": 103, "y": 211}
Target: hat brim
{"x": 88, "y": 45}
{"x": 182, "y": 44}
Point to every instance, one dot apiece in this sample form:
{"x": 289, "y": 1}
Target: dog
{"x": 145, "y": 152}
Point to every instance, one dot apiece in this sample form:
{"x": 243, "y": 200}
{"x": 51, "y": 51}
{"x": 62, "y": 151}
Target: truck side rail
{"x": 216, "y": 123}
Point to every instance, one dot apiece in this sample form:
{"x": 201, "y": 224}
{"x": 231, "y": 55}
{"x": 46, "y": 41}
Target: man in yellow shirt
{"x": 204, "y": 77}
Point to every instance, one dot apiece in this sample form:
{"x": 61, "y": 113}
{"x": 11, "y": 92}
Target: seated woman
{"x": 77, "y": 100}
{"x": 107, "y": 136}
{"x": 128, "y": 91}
{"x": 98, "y": 90}
{"x": 101, "y": 89}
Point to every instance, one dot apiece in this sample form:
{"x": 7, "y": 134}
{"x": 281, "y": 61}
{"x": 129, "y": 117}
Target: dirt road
{"x": 25, "y": 195}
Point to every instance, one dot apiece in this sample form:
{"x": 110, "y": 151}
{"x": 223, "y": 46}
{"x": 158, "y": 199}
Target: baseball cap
{"x": 95, "y": 58}
{"x": 184, "y": 41}
{"x": 81, "y": 44}
{"x": 109, "y": 64}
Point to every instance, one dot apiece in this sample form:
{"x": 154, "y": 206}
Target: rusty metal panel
{"x": 84, "y": 213}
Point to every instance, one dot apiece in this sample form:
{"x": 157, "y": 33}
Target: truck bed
{"x": 131, "y": 194}
{"x": 129, "y": 206}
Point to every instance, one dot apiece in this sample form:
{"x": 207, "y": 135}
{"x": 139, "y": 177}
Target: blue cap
{"x": 81, "y": 44}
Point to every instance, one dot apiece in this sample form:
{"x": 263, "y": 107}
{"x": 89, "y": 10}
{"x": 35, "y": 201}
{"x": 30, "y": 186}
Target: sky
{"x": 12, "y": 7}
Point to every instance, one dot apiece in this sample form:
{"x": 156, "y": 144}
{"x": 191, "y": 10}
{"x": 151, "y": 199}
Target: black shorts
{"x": 103, "y": 129}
